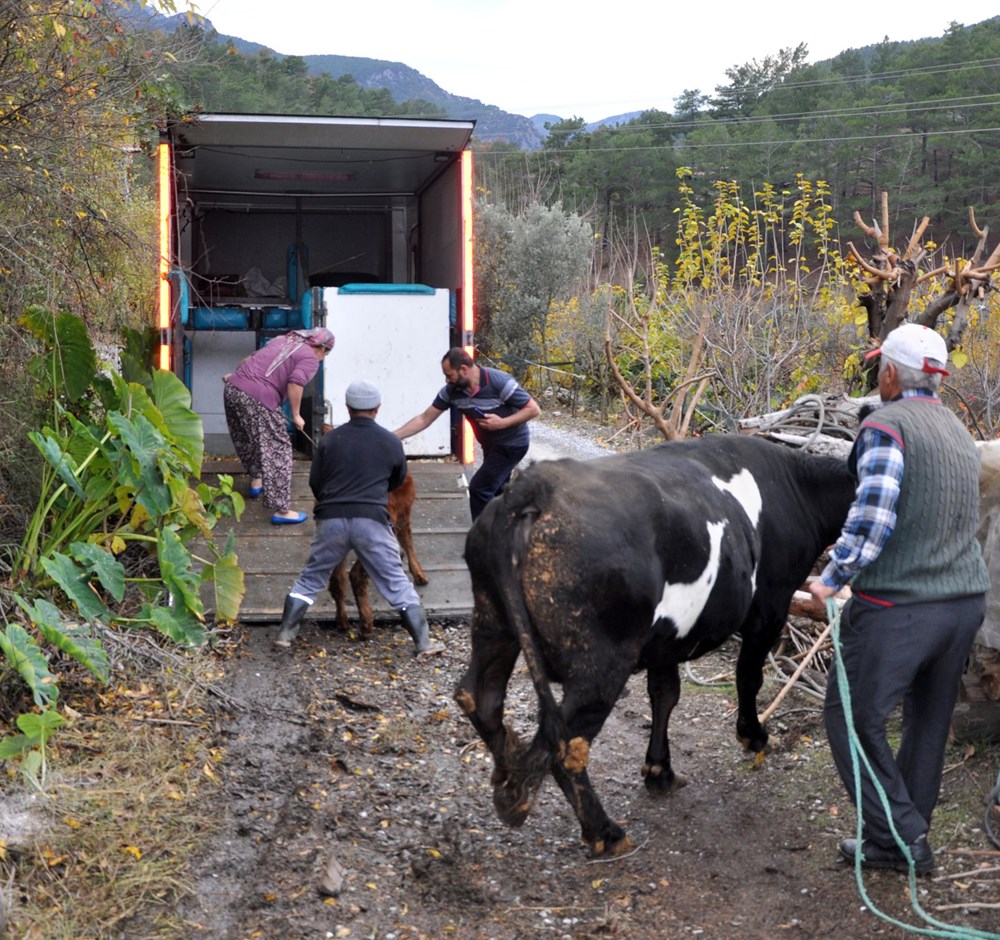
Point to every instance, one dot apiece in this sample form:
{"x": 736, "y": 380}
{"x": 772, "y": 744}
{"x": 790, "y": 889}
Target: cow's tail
{"x": 509, "y": 560}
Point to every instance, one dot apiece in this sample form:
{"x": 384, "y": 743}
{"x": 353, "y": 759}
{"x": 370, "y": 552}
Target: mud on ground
{"x": 350, "y": 761}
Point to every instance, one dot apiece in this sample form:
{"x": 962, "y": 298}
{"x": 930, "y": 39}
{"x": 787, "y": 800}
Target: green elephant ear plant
{"x": 108, "y": 545}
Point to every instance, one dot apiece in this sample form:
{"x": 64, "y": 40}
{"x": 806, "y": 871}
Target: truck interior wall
{"x": 354, "y": 242}
{"x": 213, "y": 354}
{"x": 264, "y": 238}
{"x": 441, "y": 232}
{"x": 373, "y": 243}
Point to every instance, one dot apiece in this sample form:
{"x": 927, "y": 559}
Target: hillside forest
{"x": 740, "y": 238}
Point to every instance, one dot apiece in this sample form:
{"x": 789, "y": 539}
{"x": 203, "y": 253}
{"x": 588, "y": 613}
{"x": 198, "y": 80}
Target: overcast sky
{"x": 549, "y": 57}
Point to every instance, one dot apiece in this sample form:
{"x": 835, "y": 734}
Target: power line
{"x": 901, "y": 107}
{"x": 705, "y": 119}
{"x": 892, "y": 75}
{"x": 736, "y": 145}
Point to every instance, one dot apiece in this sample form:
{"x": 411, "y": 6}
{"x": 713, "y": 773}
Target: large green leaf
{"x": 175, "y": 570}
{"x": 103, "y": 565}
{"x": 230, "y": 586}
{"x": 75, "y": 585}
{"x": 52, "y": 451}
{"x": 28, "y": 661}
{"x": 37, "y": 729}
{"x": 100, "y": 490}
{"x": 143, "y": 444}
{"x": 74, "y": 639}
{"x": 141, "y": 439}
{"x": 15, "y": 746}
{"x": 70, "y": 363}
{"x": 176, "y": 624}
{"x": 184, "y": 426}
{"x": 84, "y": 437}
{"x": 137, "y": 354}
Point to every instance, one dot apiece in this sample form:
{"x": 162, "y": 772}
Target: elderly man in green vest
{"x": 909, "y": 551}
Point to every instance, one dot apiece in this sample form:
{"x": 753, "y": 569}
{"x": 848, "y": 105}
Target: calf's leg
{"x": 400, "y": 515}
{"x": 404, "y": 533}
{"x": 338, "y": 591}
{"x": 359, "y": 584}
{"x": 357, "y": 578}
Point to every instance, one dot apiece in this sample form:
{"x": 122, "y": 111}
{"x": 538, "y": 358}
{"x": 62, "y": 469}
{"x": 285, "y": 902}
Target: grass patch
{"x": 104, "y": 850}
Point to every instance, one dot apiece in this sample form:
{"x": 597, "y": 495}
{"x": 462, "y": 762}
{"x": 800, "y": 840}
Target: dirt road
{"x": 354, "y": 756}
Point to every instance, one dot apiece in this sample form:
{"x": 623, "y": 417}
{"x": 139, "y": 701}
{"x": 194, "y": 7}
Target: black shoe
{"x": 879, "y": 856}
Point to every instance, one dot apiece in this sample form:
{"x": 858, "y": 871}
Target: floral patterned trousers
{"x": 263, "y": 445}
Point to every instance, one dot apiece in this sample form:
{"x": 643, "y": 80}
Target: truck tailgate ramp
{"x": 272, "y": 556}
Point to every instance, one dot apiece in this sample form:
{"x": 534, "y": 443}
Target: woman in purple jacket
{"x": 254, "y": 394}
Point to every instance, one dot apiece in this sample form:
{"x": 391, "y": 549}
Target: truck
{"x": 270, "y": 223}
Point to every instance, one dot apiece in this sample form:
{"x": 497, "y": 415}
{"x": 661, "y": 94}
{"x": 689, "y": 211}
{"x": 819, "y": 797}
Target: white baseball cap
{"x": 916, "y": 346}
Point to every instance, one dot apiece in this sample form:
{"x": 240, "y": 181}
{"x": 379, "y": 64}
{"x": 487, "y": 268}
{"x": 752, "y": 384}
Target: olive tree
{"x": 526, "y": 263}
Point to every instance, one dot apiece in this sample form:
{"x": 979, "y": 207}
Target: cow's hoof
{"x": 753, "y": 739}
{"x": 420, "y": 580}
{"x": 754, "y": 745}
{"x": 512, "y": 801}
{"x": 512, "y": 815}
{"x": 612, "y": 847}
{"x": 659, "y": 781}
{"x": 465, "y": 701}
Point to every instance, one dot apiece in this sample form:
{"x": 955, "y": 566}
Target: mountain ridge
{"x": 403, "y": 82}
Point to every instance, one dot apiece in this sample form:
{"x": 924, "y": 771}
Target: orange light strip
{"x": 468, "y": 322}
{"x": 164, "y": 268}
{"x": 468, "y": 243}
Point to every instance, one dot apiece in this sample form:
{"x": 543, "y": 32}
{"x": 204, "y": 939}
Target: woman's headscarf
{"x": 318, "y": 336}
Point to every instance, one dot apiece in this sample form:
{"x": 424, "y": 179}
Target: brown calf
{"x": 400, "y": 508}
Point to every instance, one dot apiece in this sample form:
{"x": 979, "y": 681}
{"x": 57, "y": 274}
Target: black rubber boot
{"x": 415, "y": 622}
{"x": 291, "y": 618}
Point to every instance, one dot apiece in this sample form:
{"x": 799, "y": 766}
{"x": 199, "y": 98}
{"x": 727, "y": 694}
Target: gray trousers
{"x": 375, "y": 545}
{"x": 912, "y": 654}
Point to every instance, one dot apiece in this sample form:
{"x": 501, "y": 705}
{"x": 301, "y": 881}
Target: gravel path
{"x": 549, "y": 442}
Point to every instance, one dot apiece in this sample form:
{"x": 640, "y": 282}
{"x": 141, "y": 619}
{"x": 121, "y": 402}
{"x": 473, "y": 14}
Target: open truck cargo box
{"x": 270, "y": 223}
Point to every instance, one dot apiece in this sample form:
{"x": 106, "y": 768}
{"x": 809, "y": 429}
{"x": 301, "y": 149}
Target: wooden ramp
{"x": 272, "y": 556}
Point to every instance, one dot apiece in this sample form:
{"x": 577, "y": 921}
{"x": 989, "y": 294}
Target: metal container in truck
{"x": 270, "y": 223}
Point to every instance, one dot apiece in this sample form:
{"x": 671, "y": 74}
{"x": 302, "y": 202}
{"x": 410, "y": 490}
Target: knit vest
{"x": 932, "y": 553}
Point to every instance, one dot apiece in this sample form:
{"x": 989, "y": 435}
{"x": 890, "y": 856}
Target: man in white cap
{"x": 909, "y": 550}
{"x": 353, "y": 470}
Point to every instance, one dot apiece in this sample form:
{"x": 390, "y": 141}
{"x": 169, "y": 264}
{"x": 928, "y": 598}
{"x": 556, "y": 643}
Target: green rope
{"x": 857, "y": 757}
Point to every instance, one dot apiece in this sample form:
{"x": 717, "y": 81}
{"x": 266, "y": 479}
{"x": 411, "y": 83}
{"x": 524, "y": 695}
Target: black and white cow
{"x": 595, "y": 569}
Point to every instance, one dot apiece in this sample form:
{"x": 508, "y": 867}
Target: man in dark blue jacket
{"x": 355, "y": 467}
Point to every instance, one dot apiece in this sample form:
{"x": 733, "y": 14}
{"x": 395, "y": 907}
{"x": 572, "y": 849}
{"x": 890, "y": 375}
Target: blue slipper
{"x": 255, "y": 491}
{"x": 294, "y": 520}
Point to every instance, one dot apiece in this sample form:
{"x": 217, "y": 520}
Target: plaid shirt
{"x": 872, "y": 516}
